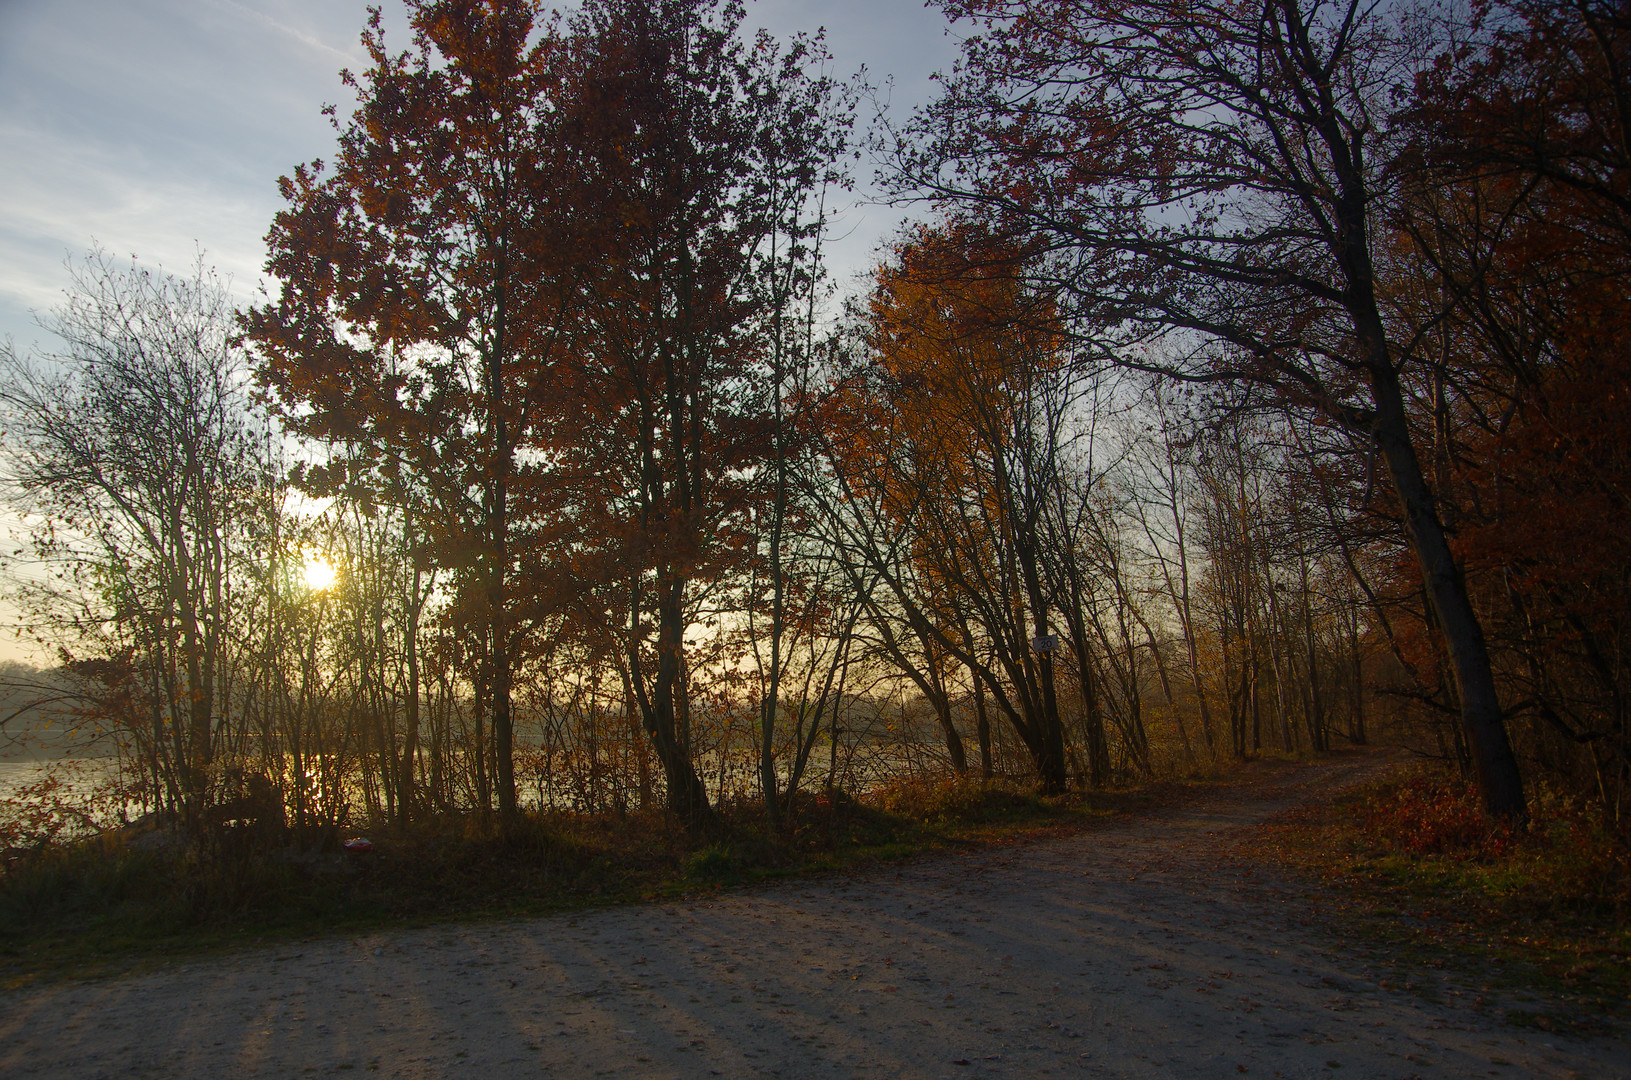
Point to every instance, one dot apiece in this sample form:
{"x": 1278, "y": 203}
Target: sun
{"x": 318, "y": 573}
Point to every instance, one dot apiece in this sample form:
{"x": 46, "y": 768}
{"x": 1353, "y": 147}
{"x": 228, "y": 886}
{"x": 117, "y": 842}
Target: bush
{"x": 1428, "y": 814}
{"x": 956, "y": 799}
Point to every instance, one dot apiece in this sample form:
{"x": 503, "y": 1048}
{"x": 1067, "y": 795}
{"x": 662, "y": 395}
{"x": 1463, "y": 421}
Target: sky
{"x": 158, "y": 129}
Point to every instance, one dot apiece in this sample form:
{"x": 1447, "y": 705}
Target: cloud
{"x": 155, "y": 129}
{"x": 308, "y": 40}
{"x": 77, "y": 195}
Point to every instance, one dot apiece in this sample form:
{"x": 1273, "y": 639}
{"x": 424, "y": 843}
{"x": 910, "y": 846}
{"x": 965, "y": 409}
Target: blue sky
{"x": 158, "y": 128}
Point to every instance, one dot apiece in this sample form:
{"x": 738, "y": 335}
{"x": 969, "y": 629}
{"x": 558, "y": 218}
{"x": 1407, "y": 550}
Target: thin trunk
{"x": 982, "y": 730}
{"x": 1277, "y": 662}
{"x": 1316, "y": 716}
{"x": 1190, "y": 644}
{"x": 1356, "y": 724}
{"x": 407, "y": 799}
{"x": 942, "y": 711}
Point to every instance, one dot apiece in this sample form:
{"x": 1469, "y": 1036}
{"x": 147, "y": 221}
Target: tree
{"x": 1210, "y": 174}
{"x": 953, "y": 433}
{"x": 427, "y": 282}
{"x": 1514, "y": 221}
{"x": 705, "y": 153}
{"x": 139, "y": 463}
{"x": 1168, "y": 479}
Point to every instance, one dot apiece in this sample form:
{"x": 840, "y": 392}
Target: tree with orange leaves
{"x": 953, "y": 432}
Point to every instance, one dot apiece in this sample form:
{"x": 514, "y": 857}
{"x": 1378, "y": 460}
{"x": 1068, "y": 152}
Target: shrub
{"x": 955, "y": 799}
{"x": 1432, "y": 815}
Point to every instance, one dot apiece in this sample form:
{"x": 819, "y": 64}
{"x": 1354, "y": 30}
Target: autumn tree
{"x": 705, "y": 151}
{"x": 954, "y": 430}
{"x": 426, "y": 285}
{"x": 1210, "y": 175}
{"x": 1514, "y": 223}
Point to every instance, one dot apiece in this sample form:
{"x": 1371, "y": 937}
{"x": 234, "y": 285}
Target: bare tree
{"x": 136, "y": 458}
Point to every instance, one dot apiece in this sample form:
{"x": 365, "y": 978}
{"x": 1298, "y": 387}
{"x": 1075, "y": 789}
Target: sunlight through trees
{"x": 1252, "y": 382}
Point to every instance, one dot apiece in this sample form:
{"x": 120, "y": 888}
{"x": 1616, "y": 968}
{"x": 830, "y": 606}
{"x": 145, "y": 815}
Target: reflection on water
{"x": 81, "y": 799}
{"x": 81, "y": 777}
{"x": 86, "y": 782}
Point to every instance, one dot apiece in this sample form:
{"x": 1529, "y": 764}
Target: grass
{"x": 105, "y": 906}
{"x": 1423, "y": 876}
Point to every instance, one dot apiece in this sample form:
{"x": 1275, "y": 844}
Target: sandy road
{"x": 1144, "y": 948}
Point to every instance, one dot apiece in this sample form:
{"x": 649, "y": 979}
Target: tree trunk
{"x": 1356, "y": 723}
{"x": 1481, "y": 718}
{"x": 1190, "y": 644}
{"x": 1482, "y": 721}
{"x": 982, "y": 729}
{"x": 407, "y": 800}
{"x": 942, "y": 712}
{"x": 1316, "y": 715}
{"x": 687, "y": 797}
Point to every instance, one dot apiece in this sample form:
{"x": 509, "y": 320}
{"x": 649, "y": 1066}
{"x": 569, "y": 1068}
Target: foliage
{"x": 963, "y": 800}
{"x": 1433, "y": 814}
{"x": 1423, "y": 870}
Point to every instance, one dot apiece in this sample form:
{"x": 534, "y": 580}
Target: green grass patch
{"x": 1421, "y": 874}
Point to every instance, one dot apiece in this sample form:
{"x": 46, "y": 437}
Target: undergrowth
{"x": 1425, "y": 874}
{"x": 116, "y": 901}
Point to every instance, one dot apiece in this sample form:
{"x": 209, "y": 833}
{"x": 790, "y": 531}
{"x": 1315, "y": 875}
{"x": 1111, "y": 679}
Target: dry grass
{"x": 108, "y": 905}
{"x": 1422, "y": 874}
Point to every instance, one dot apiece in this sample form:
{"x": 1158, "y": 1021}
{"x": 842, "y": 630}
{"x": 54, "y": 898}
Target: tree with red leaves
{"x": 426, "y": 286}
{"x": 1516, "y": 225}
{"x": 707, "y": 151}
{"x": 543, "y": 292}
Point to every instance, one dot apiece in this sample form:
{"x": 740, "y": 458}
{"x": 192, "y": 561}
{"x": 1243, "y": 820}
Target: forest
{"x": 1252, "y": 381}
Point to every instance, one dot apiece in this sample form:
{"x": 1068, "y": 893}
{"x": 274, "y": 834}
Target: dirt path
{"x": 1140, "y": 949}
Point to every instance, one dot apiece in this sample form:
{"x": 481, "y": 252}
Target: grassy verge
{"x": 107, "y": 907}
{"x": 1541, "y": 920}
